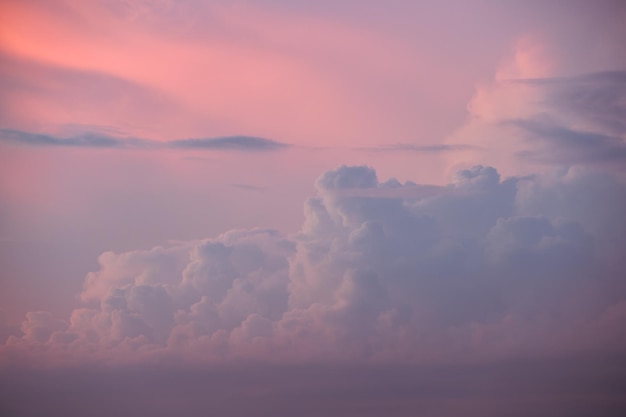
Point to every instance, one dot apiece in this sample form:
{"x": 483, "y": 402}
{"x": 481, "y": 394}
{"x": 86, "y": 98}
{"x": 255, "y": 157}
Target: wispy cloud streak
{"x": 597, "y": 97}
{"x": 566, "y": 145}
{"x": 409, "y": 147}
{"x": 95, "y": 140}
{"x": 238, "y": 143}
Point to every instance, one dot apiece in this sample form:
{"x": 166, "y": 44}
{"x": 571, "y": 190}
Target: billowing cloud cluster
{"x": 380, "y": 271}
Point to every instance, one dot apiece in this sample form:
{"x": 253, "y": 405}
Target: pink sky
{"x": 292, "y": 182}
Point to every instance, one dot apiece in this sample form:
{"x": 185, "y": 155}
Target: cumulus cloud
{"x": 484, "y": 267}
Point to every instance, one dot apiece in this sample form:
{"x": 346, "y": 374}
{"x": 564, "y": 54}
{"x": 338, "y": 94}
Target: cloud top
{"x": 482, "y": 268}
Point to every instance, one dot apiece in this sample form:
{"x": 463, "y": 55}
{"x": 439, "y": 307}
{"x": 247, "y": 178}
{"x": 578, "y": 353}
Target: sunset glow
{"x": 293, "y": 208}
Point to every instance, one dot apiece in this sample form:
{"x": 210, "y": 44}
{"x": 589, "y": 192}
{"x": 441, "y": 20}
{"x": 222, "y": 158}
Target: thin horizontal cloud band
{"x": 221, "y": 143}
{"x": 95, "y": 140}
{"x": 409, "y": 147}
{"x": 614, "y": 77}
{"x": 561, "y": 144}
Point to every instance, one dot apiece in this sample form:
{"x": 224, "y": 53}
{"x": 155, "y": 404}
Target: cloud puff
{"x": 482, "y": 268}
{"x": 96, "y": 140}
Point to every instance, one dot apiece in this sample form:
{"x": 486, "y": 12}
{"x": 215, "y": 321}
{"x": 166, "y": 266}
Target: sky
{"x": 341, "y": 208}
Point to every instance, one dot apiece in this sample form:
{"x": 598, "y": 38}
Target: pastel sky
{"x": 341, "y": 208}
